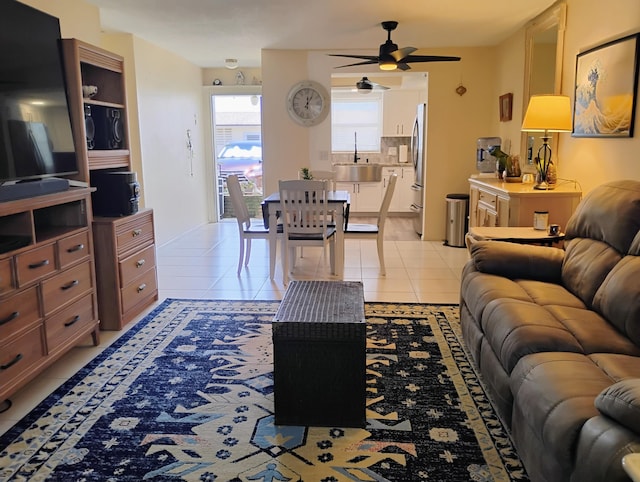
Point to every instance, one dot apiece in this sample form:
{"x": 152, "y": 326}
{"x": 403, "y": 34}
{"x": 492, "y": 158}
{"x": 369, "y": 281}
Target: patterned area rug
{"x": 187, "y": 394}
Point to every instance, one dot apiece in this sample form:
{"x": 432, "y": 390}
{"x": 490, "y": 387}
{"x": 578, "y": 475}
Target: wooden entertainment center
{"x": 65, "y": 274}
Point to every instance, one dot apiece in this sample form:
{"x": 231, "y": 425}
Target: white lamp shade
{"x": 548, "y": 113}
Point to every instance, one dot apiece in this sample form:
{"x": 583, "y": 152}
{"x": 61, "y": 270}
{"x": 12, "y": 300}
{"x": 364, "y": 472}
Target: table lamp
{"x": 546, "y": 113}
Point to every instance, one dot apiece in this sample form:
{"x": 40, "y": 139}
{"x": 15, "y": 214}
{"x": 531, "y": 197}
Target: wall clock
{"x": 308, "y": 103}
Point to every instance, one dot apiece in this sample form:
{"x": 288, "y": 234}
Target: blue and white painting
{"x": 606, "y": 84}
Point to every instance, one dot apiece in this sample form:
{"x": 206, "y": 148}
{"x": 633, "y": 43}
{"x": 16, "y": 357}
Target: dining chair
{"x": 248, "y": 229}
{"x": 327, "y": 176}
{"x": 375, "y": 231}
{"x": 306, "y": 220}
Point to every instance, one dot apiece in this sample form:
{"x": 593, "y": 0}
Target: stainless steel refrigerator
{"x": 419, "y": 159}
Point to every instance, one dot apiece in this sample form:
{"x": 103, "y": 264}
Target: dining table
{"x": 338, "y": 204}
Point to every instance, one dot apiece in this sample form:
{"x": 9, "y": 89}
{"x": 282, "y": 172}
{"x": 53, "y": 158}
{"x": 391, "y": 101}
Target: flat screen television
{"x": 36, "y": 140}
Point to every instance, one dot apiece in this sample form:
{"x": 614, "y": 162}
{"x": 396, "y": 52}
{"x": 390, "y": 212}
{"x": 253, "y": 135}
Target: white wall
{"x": 169, "y": 100}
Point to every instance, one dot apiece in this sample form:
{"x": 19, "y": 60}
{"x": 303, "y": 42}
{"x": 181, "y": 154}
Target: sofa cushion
{"x": 610, "y": 213}
{"x": 618, "y": 298}
{"x": 621, "y": 402}
{"x": 554, "y": 396}
{"x": 515, "y": 328}
{"x": 593, "y": 332}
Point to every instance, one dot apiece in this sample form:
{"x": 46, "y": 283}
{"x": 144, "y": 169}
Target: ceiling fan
{"x": 391, "y": 57}
{"x": 364, "y": 86}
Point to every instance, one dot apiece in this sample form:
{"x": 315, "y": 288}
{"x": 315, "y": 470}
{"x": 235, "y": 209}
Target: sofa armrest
{"x": 518, "y": 261}
{"x": 621, "y": 402}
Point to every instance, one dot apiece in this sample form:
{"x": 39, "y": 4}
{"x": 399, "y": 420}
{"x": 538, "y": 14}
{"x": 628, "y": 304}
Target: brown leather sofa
{"x": 555, "y": 334}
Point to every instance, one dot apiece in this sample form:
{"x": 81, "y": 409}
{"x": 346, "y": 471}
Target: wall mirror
{"x": 544, "y": 44}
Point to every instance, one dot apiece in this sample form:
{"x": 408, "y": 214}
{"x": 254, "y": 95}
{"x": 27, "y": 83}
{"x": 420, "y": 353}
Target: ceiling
{"x": 206, "y": 32}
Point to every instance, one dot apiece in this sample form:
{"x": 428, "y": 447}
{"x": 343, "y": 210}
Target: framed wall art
{"x": 606, "y": 89}
{"x": 506, "y": 107}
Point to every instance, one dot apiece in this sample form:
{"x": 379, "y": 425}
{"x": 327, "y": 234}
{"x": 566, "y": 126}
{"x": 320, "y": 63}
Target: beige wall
{"x": 455, "y": 122}
{"x": 594, "y": 161}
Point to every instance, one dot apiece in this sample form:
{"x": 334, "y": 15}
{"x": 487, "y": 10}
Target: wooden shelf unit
{"x": 86, "y": 64}
{"x": 123, "y": 292}
{"x": 47, "y": 286}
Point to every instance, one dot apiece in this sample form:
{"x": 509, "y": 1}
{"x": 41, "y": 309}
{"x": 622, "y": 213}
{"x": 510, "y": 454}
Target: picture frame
{"x": 606, "y": 89}
{"x": 506, "y": 107}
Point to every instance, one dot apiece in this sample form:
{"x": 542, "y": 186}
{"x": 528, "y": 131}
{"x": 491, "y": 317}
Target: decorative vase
{"x": 552, "y": 175}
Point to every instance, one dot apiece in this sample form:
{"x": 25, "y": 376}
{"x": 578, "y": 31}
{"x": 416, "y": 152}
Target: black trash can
{"x": 457, "y": 219}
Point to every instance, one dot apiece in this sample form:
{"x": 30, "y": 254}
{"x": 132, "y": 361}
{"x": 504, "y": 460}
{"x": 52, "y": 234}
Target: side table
{"x": 521, "y": 235}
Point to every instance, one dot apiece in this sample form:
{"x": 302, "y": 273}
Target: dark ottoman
{"x": 319, "y": 342}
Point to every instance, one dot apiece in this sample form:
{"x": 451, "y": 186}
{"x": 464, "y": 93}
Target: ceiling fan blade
{"x": 429, "y": 58}
{"x": 363, "y": 57}
{"x": 400, "y": 54}
{"x": 403, "y": 66}
{"x": 366, "y": 62}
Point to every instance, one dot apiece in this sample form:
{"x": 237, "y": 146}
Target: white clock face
{"x": 307, "y": 103}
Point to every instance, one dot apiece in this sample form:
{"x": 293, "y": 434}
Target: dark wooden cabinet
{"x": 47, "y": 285}
{"x": 126, "y": 261}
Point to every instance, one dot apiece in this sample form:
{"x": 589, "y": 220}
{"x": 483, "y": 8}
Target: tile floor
{"x": 202, "y": 264}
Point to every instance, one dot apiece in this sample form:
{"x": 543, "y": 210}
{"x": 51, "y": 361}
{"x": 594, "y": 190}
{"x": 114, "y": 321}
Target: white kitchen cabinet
{"x": 366, "y": 197}
{"x": 402, "y": 195}
{"x": 399, "y": 112}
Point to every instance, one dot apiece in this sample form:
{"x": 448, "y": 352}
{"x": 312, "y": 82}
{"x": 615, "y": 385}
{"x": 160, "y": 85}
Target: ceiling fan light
{"x": 388, "y": 65}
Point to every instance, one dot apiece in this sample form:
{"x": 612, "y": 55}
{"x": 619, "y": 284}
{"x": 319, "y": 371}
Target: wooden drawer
{"x": 73, "y": 248}
{"x": 139, "y": 290}
{"x": 35, "y": 264}
{"x": 62, "y": 326}
{"x": 488, "y": 198}
{"x": 18, "y": 311}
{"x": 136, "y": 265}
{"x": 64, "y": 287}
{"x": 19, "y": 355}
{"x": 135, "y": 232}
{"x": 6, "y": 276}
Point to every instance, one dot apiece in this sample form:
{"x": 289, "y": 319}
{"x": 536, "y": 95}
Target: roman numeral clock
{"x": 308, "y": 103}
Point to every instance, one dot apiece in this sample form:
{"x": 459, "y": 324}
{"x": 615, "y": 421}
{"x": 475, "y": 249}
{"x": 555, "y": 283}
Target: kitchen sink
{"x": 352, "y": 172}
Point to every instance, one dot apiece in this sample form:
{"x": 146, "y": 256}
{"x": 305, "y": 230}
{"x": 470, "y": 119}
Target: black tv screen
{"x": 36, "y": 139}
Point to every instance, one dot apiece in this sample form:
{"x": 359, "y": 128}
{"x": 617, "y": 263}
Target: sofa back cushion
{"x": 599, "y": 234}
{"x": 618, "y": 298}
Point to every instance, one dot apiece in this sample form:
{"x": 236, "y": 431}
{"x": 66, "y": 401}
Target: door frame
{"x": 209, "y": 128}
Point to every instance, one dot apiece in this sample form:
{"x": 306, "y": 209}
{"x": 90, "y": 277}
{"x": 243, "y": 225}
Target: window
{"x": 353, "y": 113}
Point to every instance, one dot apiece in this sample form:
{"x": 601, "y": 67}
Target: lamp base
{"x": 544, "y": 186}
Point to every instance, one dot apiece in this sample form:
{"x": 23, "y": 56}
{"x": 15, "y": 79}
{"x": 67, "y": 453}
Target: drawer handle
{"x": 140, "y": 263}
{"x": 12, "y": 362}
{"x": 136, "y": 232}
{"x": 74, "y": 320}
{"x": 75, "y": 248}
{"x": 42, "y": 263}
{"x": 142, "y": 287}
{"x": 9, "y": 318}
{"x": 70, "y": 285}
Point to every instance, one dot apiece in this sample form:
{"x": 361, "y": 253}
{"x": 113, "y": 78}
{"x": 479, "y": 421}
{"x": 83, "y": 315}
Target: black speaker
{"x": 109, "y": 127}
{"x": 89, "y": 127}
{"x": 117, "y": 193}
